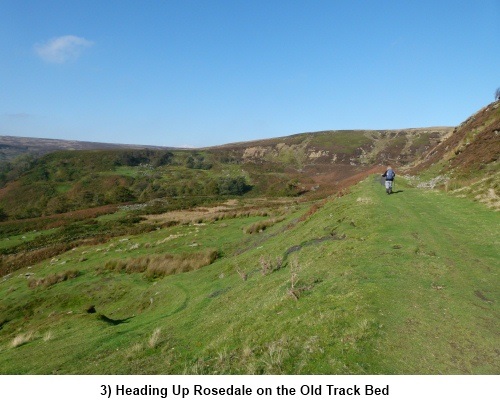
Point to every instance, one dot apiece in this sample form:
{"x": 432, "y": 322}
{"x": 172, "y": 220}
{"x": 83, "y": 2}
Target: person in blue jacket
{"x": 389, "y": 179}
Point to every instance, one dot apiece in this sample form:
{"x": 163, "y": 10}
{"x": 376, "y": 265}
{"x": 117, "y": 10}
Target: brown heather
{"x": 16, "y": 261}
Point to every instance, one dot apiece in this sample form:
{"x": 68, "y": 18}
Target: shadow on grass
{"x": 113, "y": 322}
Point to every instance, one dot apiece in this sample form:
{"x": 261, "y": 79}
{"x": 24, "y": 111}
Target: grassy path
{"x": 436, "y": 262}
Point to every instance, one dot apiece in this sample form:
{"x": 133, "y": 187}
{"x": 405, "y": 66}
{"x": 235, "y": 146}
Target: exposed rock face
{"x": 317, "y": 154}
{"x": 256, "y": 152}
{"x": 350, "y": 147}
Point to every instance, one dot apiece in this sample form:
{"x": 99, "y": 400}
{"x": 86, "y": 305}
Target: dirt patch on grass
{"x": 312, "y": 242}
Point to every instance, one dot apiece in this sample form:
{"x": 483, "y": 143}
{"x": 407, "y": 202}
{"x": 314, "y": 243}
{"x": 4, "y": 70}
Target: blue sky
{"x": 204, "y": 73}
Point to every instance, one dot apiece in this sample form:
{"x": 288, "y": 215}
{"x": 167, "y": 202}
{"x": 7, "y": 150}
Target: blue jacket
{"x": 390, "y": 176}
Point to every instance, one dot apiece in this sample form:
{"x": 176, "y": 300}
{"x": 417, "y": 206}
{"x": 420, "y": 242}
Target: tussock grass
{"x": 21, "y": 339}
{"x": 155, "y": 338}
{"x": 183, "y": 263}
{"x": 274, "y": 356}
{"x": 164, "y": 265}
{"x": 134, "y": 350}
{"x": 262, "y": 225}
{"x": 206, "y": 215}
{"x": 53, "y": 279}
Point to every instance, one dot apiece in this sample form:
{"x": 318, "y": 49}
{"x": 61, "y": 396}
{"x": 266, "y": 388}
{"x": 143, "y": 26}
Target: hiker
{"x": 389, "y": 178}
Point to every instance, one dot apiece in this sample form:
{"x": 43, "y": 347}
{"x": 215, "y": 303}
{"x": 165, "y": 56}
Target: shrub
{"x": 268, "y": 266}
{"x": 196, "y": 161}
{"x": 296, "y": 290}
{"x": 3, "y": 215}
{"x": 232, "y": 185}
{"x": 121, "y": 194}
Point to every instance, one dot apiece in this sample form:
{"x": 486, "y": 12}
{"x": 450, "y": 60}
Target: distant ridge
{"x": 269, "y": 141}
{"x": 12, "y": 146}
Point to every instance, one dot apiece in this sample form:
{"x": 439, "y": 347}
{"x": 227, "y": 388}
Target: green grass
{"x": 129, "y": 171}
{"x": 110, "y": 218}
{"x": 11, "y": 241}
{"x": 63, "y": 188}
{"x": 400, "y": 284}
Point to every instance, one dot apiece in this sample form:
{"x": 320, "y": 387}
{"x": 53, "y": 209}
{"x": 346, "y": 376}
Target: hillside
{"x": 312, "y": 164}
{"x": 467, "y": 162}
{"x": 361, "y": 284}
{"x": 352, "y": 147}
{"x": 471, "y": 146}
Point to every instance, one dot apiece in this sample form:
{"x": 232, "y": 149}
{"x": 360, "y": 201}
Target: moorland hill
{"x": 310, "y": 164}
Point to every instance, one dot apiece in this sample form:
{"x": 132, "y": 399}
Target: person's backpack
{"x": 390, "y": 175}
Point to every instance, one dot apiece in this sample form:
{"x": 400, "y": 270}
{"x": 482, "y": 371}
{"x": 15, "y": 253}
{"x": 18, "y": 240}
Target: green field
{"x": 360, "y": 284}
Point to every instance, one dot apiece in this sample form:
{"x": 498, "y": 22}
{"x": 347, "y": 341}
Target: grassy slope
{"x": 411, "y": 289}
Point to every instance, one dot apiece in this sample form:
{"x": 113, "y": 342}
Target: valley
{"x": 280, "y": 256}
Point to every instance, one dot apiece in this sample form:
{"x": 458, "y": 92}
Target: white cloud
{"x": 62, "y": 49}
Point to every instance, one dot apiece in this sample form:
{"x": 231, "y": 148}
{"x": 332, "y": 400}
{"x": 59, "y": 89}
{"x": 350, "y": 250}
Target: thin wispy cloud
{"x": 18, "y": 116}
{"x": 62, "y": 49}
